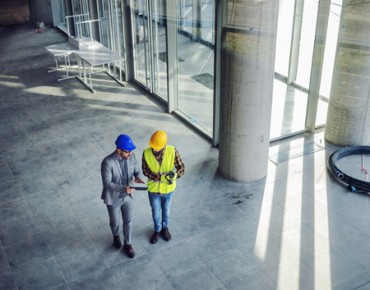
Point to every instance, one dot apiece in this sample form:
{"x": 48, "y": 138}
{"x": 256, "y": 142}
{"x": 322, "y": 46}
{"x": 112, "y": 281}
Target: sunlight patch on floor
{"x": 47, "y": 90}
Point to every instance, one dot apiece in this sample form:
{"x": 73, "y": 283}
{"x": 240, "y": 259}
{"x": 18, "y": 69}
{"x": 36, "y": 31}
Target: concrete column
{"x": 247, "y": 76}
{"x": 348, "y": 118}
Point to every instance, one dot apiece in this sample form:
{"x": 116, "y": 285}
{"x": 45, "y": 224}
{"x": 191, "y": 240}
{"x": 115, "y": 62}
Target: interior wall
{"x": 41, "y": 12}
{"x": 13, "y": 12}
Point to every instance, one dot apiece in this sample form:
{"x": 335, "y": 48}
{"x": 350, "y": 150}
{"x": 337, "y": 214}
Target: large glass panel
{"x": 111, "y": 26}
{"x": 111, "y": 34}
{"x": 288, "y": 114}
{"x": 150, "y": 45}
{"x": 159, "y": 48}
{"x": 329, "y": 57}
{"x": 59, "y": 13}
{"x": 284, "y": 36}
{"x": 77, "y": 24}
{"x": 105, "y": 24}
{"x": 140, "y": 39}
{"x": 80, "y": 7}
{"x": 307, "y": 40}
{"x": 289, "y": 103}
{"x": 195, "y": 51}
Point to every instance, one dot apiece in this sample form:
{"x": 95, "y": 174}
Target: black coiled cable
{"x": 353, "y": 184}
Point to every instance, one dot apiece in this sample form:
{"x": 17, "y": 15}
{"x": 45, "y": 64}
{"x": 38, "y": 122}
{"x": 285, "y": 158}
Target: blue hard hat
{"x": 124, "y": 142}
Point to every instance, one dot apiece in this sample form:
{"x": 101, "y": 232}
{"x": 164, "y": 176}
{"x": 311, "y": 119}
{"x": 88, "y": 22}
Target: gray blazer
{"x": 114, "y": 181}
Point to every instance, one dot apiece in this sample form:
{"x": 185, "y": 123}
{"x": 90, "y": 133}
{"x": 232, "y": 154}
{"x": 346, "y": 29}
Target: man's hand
{"x": 138, "y": 180}
{"x": 129, "y": 190}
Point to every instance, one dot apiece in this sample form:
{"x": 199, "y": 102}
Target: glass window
{"x": 150, "y": 45}
{"x": 329, "y": 58}
{"x": 283, "y": 41}
{"x": 306, "y": 43}
{"x": 111, "y": 28}
{"x": 195, "y": 62}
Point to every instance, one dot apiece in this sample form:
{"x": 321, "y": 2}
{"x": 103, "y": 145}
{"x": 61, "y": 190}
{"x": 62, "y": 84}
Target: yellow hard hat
{"x": 158, "y": 140}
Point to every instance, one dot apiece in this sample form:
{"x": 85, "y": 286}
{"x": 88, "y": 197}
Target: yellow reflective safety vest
{"x": 164, "y": 185}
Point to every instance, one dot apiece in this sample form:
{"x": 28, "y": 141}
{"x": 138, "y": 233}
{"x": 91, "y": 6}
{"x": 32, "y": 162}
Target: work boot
{"x": 129, "y": 250}
{"x": 154, "y": 238}
{"x": 166, "y": 234}
{"x": 117, "y": 242}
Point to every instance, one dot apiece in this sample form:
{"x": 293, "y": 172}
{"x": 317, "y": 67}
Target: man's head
{"x": 158, "y": 140}
{"x": 124, "y": 146}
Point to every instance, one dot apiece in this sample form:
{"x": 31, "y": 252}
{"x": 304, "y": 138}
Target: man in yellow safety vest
{"x": 158, "y": 164}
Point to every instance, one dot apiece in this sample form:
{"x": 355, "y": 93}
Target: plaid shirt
{"x": 179, "y": 165}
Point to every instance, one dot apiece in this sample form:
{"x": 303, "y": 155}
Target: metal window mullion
{"x": 130, "y": 41}
{"x": 111, "y": 26}
{"x": 221, "y": 21}
{"x": 317, "y": 63}
{"x": 90, "y": 31}
{"x": 147, "y": 47}
{"x": 295, "y": 41}
{"x": 115, "y": 26}
{"x": 171, "y": 50}
{"x": 98, "y": 8}
{"x": 116, "y": 47}
{"x": 78, "y": 27}
{"x": 103, "y": 25}
{"x": 100, "y": 24}
{"x": 83, "y": 6}
{"x": 123, "y": 49}
{"x": 145, "y": 43}
{"x": 155, "y": 59}
{"x": 197, "y": 18}
{"x": 182, "y": 11}
{"x": 81, "y": 28}
{"x": 116, "y": 21}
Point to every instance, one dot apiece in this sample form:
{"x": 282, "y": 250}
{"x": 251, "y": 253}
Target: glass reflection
{"x": 150, "y": 45}
{"x": 195, "y": 51}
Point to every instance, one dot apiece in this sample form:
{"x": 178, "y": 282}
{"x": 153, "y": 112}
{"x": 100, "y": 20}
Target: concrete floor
{"x": 298, "y": 229}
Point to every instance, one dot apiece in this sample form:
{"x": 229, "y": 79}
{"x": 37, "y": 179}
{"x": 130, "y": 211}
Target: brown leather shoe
{"x": 117, "y": 242}
{"x": 154, "y": 238}
{"x": 166, "y": 234}
{"x": 129, "y": 250}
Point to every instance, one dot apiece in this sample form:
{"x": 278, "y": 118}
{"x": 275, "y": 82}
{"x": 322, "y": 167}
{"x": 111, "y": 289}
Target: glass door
{"x": 195, "y": 62}
{"x": 150, "y": 45}
{"x": 58, "y": 9}
{"x": 80, "y": 7}
{"x": 112, "y": 26}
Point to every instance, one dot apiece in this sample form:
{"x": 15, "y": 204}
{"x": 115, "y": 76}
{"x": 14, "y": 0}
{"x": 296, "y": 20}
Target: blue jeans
{"x": 160, "y": 204}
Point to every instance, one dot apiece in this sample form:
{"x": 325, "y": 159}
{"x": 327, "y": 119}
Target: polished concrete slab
{"x": 297, "y": 229}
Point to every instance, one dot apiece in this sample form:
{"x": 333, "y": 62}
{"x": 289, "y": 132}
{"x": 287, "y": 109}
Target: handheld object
{"x": 139, "y": 187}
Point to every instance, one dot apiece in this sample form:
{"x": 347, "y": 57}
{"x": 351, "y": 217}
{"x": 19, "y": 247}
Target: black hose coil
{"x": 353, "y": 184}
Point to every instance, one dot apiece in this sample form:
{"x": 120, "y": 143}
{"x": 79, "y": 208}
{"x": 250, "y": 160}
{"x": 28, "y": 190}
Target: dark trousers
{"x": 125, "y": 209}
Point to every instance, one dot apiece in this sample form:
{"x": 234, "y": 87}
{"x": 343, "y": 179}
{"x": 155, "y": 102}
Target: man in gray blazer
{"x": 118, "y": 171}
